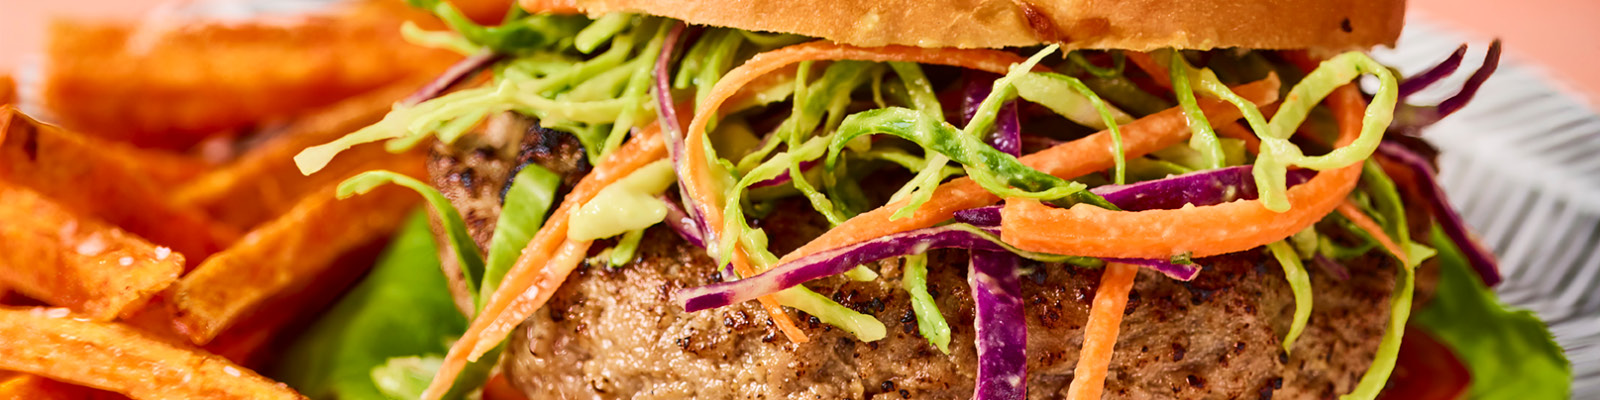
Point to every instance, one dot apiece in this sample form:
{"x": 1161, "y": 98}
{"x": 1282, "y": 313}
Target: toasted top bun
{"x": 1075, "y": 24}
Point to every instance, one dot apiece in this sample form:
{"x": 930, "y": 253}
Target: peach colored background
{"x": 1561, "y": 35}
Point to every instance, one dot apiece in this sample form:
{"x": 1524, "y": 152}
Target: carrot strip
{"x": 1100, "y": 332}
{"x": 544, "y": 263}
{"x": 1354, "y": 214}
{"x": 1201, "y": 231}
{"x": 1067, "y": 160}
{"x": 1148, "y": 64}
{"x": 698, "y": 180}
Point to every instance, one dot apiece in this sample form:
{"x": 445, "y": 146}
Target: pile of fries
{"x": 137, "y": 260}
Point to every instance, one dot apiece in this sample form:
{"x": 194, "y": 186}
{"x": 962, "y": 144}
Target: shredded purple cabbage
{"x": 457, "y": 73}
{"x": 982, "y": 217}
{"x": 671, "y": 129}
{"x": 1482, "y": 260}
{"x": 1200, "y": 188}
{"x": 1182, "y": 272}
{"x": 1427, "y": 78}
{"x": 1410, "y": 120}
{"x": 681, "y": 223}
{"x": 1007, "y": 136}
{"x": 1001, "y": 327}
{"x": 1333, "y": 268}
{"x": 837, "y": 261}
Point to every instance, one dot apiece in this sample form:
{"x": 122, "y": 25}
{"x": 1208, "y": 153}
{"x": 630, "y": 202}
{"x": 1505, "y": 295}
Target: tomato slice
{"x": 1427, "y": 370}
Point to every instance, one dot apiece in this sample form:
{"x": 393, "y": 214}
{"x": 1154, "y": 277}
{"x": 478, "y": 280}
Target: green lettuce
{"x": 1508, "y": 351}
{"x": 466, "y": 251}
{"x": 402, "y": 309}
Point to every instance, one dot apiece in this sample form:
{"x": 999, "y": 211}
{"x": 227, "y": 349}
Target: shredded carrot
{"x": 1158, "y": 73}
{"x": 1354, "y": 214}
{"x": 699, "y": 182}
{"x": 1100, "y": 332}
{"x": 1200, "y": 231}
{"x": 544, "y": 263}
{"x": 1067, "y": 160}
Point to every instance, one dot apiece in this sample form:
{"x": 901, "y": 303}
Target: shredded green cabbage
{"x": 921, "y": 187}
{"x": 626, "y": 247}
{"x": 1277, "y": 153}
{"x": 839, "y": 86}
{"x": 1072, "y": 99}
{"x": 1377, "y": 374}
{"x": 1125, "y": 94}
{"x": 1387, "y": 201}
{"x": 532, "y": 192}
{"x": 865, "y": 327}
{"x": 734, "y": 224}
{"x": 1391, "y": 213}
{"x": 1299, "y": 284}
{"x": 996, "y": 171}
{"x": 438, "y": 39}
{"x": 598, "y": 100}
{"x": 597, "y": 33}
{"x": 1118, "y": 61}
{"x": 930, "y": 322}
{"x": 1202, "y": 138}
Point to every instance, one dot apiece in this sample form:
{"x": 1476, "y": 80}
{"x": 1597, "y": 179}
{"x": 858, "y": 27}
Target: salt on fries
{"x": 55, "y": 344}
{"x": 280, "y": 255}
{"x": 51, "y": 255}
{"x": 104, "y": 180}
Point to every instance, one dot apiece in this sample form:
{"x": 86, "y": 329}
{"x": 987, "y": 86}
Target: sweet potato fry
{"x": 110, "y": 356}
{"x": 281, "y": 255}
{"x": 103, "y": 180}
{"x": 252, "y": 340}
{"x": 264, "y": 182}
{"x": 34, "y": 387}
{"x": 50, "y": 254}
{"x": 8, "y": 89}
{"x": 175, "y": 80}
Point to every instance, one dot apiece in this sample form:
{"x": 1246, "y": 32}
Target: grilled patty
{"x": 615, "y": 333}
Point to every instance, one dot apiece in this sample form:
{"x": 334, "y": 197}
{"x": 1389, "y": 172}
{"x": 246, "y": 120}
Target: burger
{"x": 952, "y": 199}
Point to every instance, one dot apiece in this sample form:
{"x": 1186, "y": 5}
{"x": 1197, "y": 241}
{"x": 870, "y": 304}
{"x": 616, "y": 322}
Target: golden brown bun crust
{"x": 1094, "y": 24}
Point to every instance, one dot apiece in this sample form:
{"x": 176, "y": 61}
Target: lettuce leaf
{"x": 1509, "y": 351}
{"x": 402, "y": 309}
{"x": 466, "y": 251}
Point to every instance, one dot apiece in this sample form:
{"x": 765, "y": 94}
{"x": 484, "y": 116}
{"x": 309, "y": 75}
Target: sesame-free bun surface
{"x": 1093, "y": 24}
